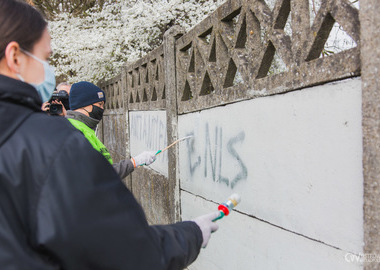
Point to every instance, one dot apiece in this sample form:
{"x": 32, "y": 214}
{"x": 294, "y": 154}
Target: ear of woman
{"x": 12, "y": 61}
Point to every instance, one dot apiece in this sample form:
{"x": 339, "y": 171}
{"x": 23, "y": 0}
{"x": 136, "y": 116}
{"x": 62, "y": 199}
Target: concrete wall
{"x": 296, "y": 161}
{"x": 243, "y": 242}
{"x": 113, "y": 127}
{"x": 298, "y": 141}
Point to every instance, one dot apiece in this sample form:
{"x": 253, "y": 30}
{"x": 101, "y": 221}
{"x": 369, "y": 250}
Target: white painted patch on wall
{"x": 246, "y": 243}
{"x": 295, "y": 159}
{"x": 148, "y": 131}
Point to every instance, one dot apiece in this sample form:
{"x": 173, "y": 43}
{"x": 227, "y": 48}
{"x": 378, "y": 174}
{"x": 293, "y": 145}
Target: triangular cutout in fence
{"x": 284, "y": 18}
{"x": 231, "y": 22}
{"x": 163, "y": 94}
{"x": 230, "y": 77}
{"x": 207, "y": 87}
{"x": 131, "y": 99}
{"x": 277, "y": 66}
{"x": 242, "y": 36}
{"x": 157, "y": 76}
{"x": 212, "y": 57}
{"x": 206, "y": 36}
{"x": 145, "y": 96}
{"x": 267, "y": 61}
{"x": 154, "y": 95}
{"x": 187, "y": 94}
{"x": 192, "y": 62}
{"x": 338, "y": 41}
{"x": 330, "y": 39}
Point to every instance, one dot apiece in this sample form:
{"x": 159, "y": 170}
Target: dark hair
{"x": 19, "y": 22}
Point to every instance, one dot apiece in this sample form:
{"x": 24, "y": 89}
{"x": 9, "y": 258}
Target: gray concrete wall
{"x": 296, "y": 161}
{"x": 262, "y": 72}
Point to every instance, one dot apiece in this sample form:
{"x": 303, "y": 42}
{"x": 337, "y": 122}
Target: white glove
{"x": 207, "y": 226}
{"x": 145, "y": 158}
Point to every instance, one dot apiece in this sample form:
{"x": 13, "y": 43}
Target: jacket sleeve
{"x": 177, "y": 241}
{"x": 123, "y": 168}
{"x": 87, "y": 219}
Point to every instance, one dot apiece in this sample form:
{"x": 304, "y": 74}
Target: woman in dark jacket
{"x": 62, "y": 206}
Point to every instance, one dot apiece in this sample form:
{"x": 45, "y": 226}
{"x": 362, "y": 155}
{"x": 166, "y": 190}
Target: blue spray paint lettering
{"x": 213, "y": 156}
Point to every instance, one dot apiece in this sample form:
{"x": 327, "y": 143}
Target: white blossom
{"x": 95, "y": 46}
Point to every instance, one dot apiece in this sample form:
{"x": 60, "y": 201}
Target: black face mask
{"x": 97, "y": 113}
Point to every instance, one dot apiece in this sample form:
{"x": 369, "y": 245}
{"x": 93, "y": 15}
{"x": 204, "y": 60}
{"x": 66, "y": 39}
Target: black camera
{"x": 55, "y": 109}
{"x": 62, "y": 96}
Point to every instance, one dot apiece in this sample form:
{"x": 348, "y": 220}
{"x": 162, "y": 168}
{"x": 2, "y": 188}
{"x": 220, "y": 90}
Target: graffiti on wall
{"x": 287, "y": 156}
{"x": 209, "y": 151}
{"x": 148, "y": 132}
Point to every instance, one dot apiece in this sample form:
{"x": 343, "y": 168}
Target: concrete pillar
{"x": 99, "y": 131}
{"x": 370, "y": 64}
{"x": 171, "y": 113}
{"x": 127, "y": 180}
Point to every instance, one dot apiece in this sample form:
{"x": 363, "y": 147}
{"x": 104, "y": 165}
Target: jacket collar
{"x": 90, "y": 122}
{"x": 19, "y": 92}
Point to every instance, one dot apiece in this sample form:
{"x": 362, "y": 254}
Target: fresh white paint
{"x": 245, "y": 243}
{"x": 148, "y": 131}
{"x": 296, "y": 161}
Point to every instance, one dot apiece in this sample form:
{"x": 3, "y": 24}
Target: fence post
{"x": 99, "y": 130}
{"x": 123, "y": 87}
{"x": 370, "y": 58}
{"x": 170, "y": 37}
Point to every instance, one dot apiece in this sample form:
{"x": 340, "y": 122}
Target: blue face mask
{"x": 46, "y": 88}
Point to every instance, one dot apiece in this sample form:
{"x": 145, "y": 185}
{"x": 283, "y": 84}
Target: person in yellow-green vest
{"x": 87, "y": 107}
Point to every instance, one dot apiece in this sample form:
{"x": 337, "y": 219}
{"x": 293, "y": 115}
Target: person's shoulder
{"x": 50, "y": 130}
{"x": 55, "y": 136}
{"x": 54, "y": 125}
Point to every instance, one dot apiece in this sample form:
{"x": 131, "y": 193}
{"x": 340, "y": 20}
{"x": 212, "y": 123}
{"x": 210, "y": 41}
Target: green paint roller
{"x": 226, "y": 207}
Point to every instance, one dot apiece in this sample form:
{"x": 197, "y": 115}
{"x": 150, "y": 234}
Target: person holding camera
{"x": 64, "y": 86}
{"x": 62, "y": 205}
{"x": 59, "y": 102}
{"x": 63, "y": 91}
{"x": 87, "y": 107}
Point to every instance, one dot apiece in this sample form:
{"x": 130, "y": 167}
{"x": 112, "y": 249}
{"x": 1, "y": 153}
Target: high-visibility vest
{"x": 91, "y": 137}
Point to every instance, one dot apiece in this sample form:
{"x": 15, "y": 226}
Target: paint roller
{"x": 174, "y": 143}
{"x": 167, "y": 147}
{"x": 226, "y": 207}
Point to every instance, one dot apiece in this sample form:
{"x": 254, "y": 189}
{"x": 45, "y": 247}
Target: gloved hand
{"x": 207, "y": 226}
{"x": 145, "y": 158}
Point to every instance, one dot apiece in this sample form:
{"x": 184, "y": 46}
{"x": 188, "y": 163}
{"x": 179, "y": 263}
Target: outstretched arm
{"x": 87, "y": 219}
